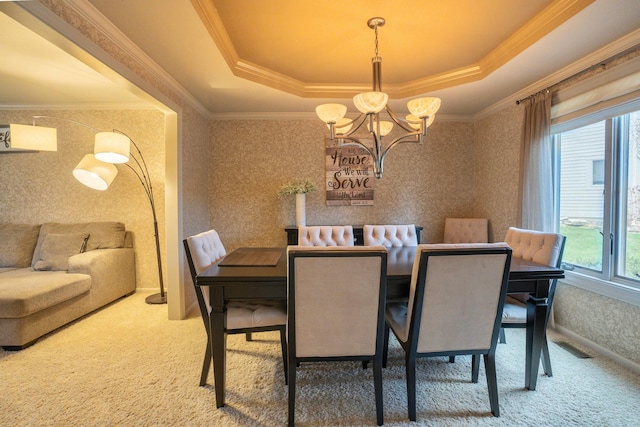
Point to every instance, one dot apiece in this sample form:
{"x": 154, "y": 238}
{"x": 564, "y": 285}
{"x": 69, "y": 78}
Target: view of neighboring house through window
{"x": 599, "y": 197}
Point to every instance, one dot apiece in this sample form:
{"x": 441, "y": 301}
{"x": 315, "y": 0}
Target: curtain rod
{"x": 601, "y": 64}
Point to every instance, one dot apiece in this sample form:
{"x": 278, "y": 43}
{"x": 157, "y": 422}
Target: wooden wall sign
{"x": 349, "y": 179}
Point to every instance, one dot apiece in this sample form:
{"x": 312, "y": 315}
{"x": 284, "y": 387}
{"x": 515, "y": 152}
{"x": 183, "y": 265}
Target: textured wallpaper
{"x": 40, "y": 187}
{"x": 497, "y": 162}
{"x": 250, "y": 160}
{"x": 610, "y": 323}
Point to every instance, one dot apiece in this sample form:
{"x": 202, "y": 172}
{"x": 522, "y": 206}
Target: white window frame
{"x": 605, "y": 283}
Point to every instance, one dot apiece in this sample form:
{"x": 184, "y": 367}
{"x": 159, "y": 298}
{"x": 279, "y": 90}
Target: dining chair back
{"x": 336, "y": 300}
{"x": 325, "y": 235}
{"x": 466, "y": 230}
{"x": 203, "y": 250}
{"x": 390, "y": 235}
{"x": 456, "y": 297}
{"x": 541, "y": 248}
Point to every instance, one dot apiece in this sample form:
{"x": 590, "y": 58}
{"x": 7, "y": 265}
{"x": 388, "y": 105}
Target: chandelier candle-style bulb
{"x": 95, "y": 174}
{"x": 112, "y": 147}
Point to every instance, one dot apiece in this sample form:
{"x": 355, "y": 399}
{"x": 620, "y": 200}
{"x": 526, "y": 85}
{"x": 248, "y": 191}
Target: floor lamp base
{"x": 156, "y": 299}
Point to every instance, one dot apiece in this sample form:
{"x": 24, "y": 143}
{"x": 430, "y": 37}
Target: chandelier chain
{"x": 376, "y": 30}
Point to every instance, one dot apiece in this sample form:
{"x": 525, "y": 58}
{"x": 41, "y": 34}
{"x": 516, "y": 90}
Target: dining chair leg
{"x": 411, "y": 386}
{"x": 285, "y": 356}
{"x": 377, "y": 384}
{"x": 546, "y": 360}
{"x": 385, "y": 348}
{"x": 206, "y": 365}
{"x": 291, "y": 377}
{"x": 492, "y": 382}
{"x": 475, "y": 367}
{"x": 502, "y": 339}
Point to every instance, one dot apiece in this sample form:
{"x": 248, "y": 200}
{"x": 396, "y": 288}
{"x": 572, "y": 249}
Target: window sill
{"x": 613, "y": 290}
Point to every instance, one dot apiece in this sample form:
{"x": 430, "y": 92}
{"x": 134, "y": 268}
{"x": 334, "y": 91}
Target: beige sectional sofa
{"x": 52, "y": 274}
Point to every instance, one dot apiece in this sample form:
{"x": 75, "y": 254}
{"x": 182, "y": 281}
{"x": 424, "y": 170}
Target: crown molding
{"x": 108, "y": 30}
{"x": 623, "y": 44}
{"x": 558, "y": 12}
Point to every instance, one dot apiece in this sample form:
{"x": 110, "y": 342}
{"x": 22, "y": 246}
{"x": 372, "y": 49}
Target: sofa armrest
{"x": 112, "y": 271}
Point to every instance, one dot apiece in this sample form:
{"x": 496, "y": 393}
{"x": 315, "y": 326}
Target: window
{"x": 599, "y": 200}
{"x": 597, "y": 175}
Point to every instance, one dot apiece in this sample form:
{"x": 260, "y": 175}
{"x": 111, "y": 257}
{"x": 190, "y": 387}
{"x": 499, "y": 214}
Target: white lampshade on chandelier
{"x": 371, "y": 105}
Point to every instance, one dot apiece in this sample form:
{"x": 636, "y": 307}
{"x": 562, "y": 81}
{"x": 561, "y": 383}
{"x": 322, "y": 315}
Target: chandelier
{"x": 371, "y": 105}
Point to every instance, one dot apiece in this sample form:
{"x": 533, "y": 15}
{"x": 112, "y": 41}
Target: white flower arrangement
{"x": 297, "y": 187}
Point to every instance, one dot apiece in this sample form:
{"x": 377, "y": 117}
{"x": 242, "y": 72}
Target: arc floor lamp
{"x": 98, "y": 170}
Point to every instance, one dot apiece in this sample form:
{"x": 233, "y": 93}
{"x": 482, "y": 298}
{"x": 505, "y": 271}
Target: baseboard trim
{"x": 629, "y": 364}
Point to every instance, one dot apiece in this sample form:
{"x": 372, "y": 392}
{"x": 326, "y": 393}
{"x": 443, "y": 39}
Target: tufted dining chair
{"x": 241, "y": 317}
{"x": 466, "y": 230}
{"x": 390, "y": 235}
{"x": 336, "y": 302}
{"x": 325, "y": 235}
{"x": 541, "y": 248}
{"x": 455, "y": 300}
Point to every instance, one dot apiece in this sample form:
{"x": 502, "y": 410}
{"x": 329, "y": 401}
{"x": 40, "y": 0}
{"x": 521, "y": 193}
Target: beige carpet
{"x": 126, "y": 365}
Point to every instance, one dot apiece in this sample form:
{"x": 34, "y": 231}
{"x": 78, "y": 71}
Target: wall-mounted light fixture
{"x": 98, "y": 171}
{"x": 370, "y": 105}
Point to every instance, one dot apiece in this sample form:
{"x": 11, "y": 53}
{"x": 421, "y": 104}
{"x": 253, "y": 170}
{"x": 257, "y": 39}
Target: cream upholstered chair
{"x": 541, "y": 248}
{"x": 336, "y": 301}
{"x": 326, "y": 235}
{"x": 390, "y": 235}
{"x": 455, "y": 300}
{"x": 466, "y": 230}
{"x": 203, "y": 250}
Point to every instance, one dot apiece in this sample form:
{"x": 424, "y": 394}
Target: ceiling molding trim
{"x": 258, "y": 74}
{"x": 52, "y": 27}
{"x": 623, "y": 44}
{"x": 213, "y": 23}
{"x": 544, "y": 22}
{"x": 459, "y": 76}
{"x": 107, "y": 29}
{"x": 549, "y": 19}
{"x": 76, "y": 107}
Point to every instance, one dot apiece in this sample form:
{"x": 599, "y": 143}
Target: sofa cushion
{"x": 102, "y": 235}
{"x": 25, "y": 291}
{"x": 57, "y": 248}
{"x": 17, "y": 242}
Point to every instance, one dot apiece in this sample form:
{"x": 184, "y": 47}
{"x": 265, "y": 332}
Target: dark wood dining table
{"x": 263, "y": 275}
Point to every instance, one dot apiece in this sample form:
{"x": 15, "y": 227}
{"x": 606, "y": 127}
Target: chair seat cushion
{"x": 396, "y": 316}
{"x": 514, "y": 311}
{"x": 255, "y": 314}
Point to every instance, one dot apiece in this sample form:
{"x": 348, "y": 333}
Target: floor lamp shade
{"x": 94, "y": 173}
{"x": 112, "y": 147}
{"x": 39, "y": 138}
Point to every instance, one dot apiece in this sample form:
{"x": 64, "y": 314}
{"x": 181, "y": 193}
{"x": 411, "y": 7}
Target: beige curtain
{"x": 536, "y": 179}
